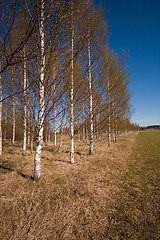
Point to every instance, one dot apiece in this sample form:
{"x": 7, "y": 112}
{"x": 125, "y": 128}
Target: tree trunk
{"x": 90, "y": 99}
{"x": 113, "y": 123}
{"x": 39, "y": 144}
{"x": 33, "y": 125}
{"x": 71, "y": 103}
{"x": 109, "y": 114}
{"x": 25, "y": 108}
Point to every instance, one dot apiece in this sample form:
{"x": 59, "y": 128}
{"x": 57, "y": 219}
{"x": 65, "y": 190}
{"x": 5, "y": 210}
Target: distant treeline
{"x": 151, "y": 127}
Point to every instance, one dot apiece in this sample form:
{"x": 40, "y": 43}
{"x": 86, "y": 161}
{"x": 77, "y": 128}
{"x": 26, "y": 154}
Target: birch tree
{"x": 39, "y": 144}
{"x": 109, "y": 112}
{"x": 25, "y": 107}
{"x": 90, "y": 98}
{"x": 71, "y": 94}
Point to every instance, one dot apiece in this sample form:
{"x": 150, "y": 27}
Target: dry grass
{"x": 69, "y": 201}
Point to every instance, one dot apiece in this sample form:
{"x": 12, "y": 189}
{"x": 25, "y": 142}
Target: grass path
{"x": 138, "y": 212}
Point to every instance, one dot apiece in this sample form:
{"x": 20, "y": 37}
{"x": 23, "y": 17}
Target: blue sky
{"x": 135, "y": 26}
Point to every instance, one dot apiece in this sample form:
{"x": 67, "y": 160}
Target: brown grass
{"x": 70, "y": 201}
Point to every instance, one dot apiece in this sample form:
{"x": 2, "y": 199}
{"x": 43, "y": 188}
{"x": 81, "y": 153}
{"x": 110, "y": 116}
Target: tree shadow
{"x": 75, "y": 152}
{"x": 18, "y": 172}
{"x": 60, "y": 160}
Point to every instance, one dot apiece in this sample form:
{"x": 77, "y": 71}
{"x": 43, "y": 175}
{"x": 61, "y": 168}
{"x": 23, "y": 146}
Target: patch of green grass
{"x": 137, "y": 213}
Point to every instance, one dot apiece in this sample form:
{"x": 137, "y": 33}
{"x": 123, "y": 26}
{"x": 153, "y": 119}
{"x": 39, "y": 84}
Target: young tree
{"x": 25, "y": 107}
{"x": 71, "y": 93}
{"x": 39, "y": 144}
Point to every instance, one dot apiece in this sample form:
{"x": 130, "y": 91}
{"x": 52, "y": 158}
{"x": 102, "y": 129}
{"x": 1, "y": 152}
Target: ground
{"x": 113, "y": 194}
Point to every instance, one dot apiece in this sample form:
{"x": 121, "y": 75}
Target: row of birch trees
{"x": 58, "y": 76}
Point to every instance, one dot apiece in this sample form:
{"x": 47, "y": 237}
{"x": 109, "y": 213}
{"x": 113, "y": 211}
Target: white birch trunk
{"x": 33, "y": 124}
{"x": 109, "y": 114}
{"x": 0, "y": 114}
{"x": 90, "y": 99}
{"x": 116, "y": 122}
{"x": 39, "y": 144}
{"x": 29, "y": 133}
{"x": 14, "y": 122}
{"x": 113, "y": 123}
{"x": 71, "y": 104}
{"x": 25, "y": 108}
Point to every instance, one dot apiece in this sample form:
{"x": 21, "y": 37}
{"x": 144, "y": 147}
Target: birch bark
{"x": 25, "y": 108}
{"x": 33, "y": 124}
{"x": 71, "y": 102}
{"x": 39, "y": 144}
{"x": 90, "y": 99}
{"x": 109, "y": 112}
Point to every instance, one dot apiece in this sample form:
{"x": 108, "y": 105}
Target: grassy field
{"x": 113, "y": 194}
{"x": 138, "y": 212}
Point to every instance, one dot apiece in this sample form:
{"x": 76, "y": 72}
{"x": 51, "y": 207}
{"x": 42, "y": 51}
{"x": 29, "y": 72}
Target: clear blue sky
{"x": 135, "y": 26}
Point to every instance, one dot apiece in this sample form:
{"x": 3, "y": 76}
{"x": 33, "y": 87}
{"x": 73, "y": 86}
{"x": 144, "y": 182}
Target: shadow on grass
{"x": 60, "y": 160}
{"x": 18, "y": 172}
{"x": 65, "y": 161}
{"x": 75, "y": 152}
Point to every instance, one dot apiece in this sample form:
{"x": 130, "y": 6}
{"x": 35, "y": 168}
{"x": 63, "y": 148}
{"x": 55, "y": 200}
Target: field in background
{"x": 113, "y": 194}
